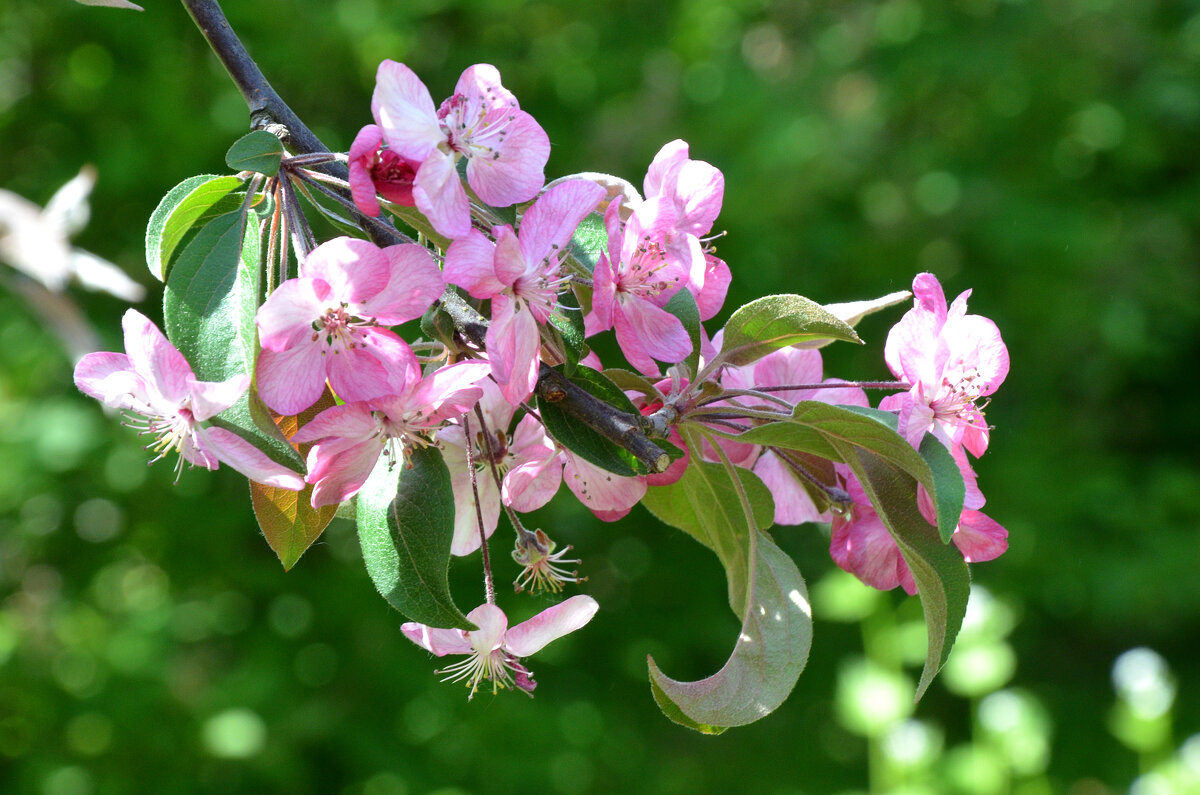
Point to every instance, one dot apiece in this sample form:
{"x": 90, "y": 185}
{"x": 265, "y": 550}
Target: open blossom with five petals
{"x": 351, "y": 438}
{"x": 631, "y": 284}
{"x": 506, "y": 149}
{"x": 327, "y": 323}
{"x": 153, "y": 380}
{"x": 526, "y": 461}
{"x": 494, "y": 650}
{"x": 952, "y": 360}
{"x": 522, "y": 275}
{"x": 376, "y": 169}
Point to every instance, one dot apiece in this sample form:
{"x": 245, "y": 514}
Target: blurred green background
{"x": 1044, "y": 154}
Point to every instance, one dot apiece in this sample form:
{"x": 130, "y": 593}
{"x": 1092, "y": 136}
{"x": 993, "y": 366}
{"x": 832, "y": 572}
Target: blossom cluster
{"x": 333, "y": 327}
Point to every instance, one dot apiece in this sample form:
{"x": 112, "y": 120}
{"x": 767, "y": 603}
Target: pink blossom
{"x": 951, "y": 359}
{"x": 350, "y": 438}
{"x": 506, "y": 149}
{"x": 376, "y": 169}
{"x": 522, "y": 275}
{"x": 683, "y": 199}
{"x": 494, "y": 650}
{"x": 327, "y": 323}
{"x": 153, "y": 380}
{"x": 525, "y": 460}
{"x": 632, "y": 282}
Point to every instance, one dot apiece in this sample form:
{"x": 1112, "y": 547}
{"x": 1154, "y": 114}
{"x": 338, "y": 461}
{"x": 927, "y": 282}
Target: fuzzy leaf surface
{"x": 777, "y": 321}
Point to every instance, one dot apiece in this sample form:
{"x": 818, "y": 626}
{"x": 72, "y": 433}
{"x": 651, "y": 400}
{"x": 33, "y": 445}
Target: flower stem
{"x": 489, "y": 583}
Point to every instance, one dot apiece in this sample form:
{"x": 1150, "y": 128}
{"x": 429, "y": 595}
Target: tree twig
{"x": 269, "y": 111}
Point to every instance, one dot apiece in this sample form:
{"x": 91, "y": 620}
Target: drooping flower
{"x": 153, "y": 380}
{"x": 522, "y": 275}
{"x": 376, "y": 169}
{"x": 349, "y": 439}
{"x": 542, "y": 566}
{"x": 494, "y": 650}
{"x": 952, "y": 360}
{"x": 327, "y": 323}
{"x": 526, "y": 461}
{"x": 631, "y": 284}
{"x": 506, "y": 149}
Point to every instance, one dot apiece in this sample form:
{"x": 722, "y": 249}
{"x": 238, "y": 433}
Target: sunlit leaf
{"x": 182, "y": 207}
{"x": 777, "y": 321}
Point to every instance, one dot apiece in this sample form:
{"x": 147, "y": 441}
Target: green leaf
{"x": 942, "y": 578}
{"x": 405, "y": 526}
{"x": 683, "y": 306}
{"x": 257, "y": 150}
{"x": 208, "y": 308}
{"x": 853, "y": 312}
{"x": 766, "y": 592}
{"x": 950, "y": 490}
{"x": 567, "y": 321}
{"x": 183, "y": 206}
{"x": 588, "y": 243}
{"x": 586, "y": 443}
{"x": 777, "y": 321}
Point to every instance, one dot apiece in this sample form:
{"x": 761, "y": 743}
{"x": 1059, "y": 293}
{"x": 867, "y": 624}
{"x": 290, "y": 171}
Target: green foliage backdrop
{"x": 1042, "y": 153}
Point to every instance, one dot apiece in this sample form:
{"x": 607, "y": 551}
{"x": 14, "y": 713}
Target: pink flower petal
{"x": 438, "y": 641}
{"x": 355, "y": 270}
{"x": 110, "y": 378}
{"x": 509, "y": 263}
{"x": 414, "y": 283}
{"x": 290, "y": 381}
{"x": 155, "y": 359}
{"x": 660, "y": 333}
{"x": 792, "y": 503}
{"x": 492, "y": 624}
{"x": 349, "y": 421}
{"x": 338, "y": 474}
{"x": 358, "y": 374}
{"x": 547, "y": 226}
{"x": 405, "y": 111}
{"x": 285, "y": 319}
{"x": 552, "y": 623}
{"x": 440, "y": 197}
{"x": 210, "y": 398}
{"x": 514, "y": 170}
{"x": 248, "y": 459}
{"x": 514, "y": 347}
{"x": 979, "y": 537}
{"x": 598, "y": 489}
{"x": 470, "y": 263}
{"x": 669, "y": 156}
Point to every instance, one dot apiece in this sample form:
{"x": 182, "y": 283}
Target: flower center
{"x": 171, "y": 432}
{"x": 956, "y": 400}
{"x": 340, "y": 329}
{"x": 495, "y": 665}
{"x": 473, "y": 135}
{"x": 642, "y": 275}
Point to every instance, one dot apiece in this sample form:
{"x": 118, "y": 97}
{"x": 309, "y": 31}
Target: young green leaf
{"x": 405, "y": 526}
{"x": 588, "y": 243}
{"x": 257, "y": 150}
{"x": 183, "y": 206}
{"x": 776, "y": 321}
{"x": 683, "y": 306}
{"x": 766, "y": 592}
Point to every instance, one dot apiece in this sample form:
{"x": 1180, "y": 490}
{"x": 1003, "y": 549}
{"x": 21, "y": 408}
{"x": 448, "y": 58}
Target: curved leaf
{"x": 683, "y": 306}
{"x": 766, "y": 592}
{"x": 405, "y": 526}
{"x": 182, "y": 207}
{"x": 777, "y": 321}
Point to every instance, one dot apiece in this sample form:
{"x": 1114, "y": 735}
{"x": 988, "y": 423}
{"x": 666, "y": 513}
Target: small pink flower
{"x": 376, "y": 169}
{"x": 350, "y": 438}
{"x": 506, "y": 149}
{"x": 153, "y": 380}
{"x": 631, "y": 284}
{"x": 494, "y": 651}
{"x": 328, "y": 323}
{"x": 522, "y": 275}
{"x": 952, "y": 360}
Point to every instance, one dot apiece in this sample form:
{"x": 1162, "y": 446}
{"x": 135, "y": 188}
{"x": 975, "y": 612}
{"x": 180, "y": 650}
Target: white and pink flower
{"x": 494, "y": 650}
{"x": 153, "y": 380}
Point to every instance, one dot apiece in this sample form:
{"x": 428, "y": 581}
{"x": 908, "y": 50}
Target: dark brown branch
{"x": 267, "y": 109}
